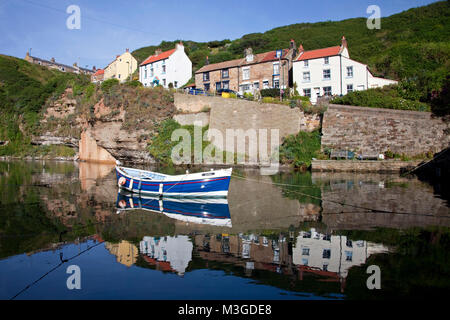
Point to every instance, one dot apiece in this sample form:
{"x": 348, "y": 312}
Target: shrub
{"x": 386, "y": 97}
{"x": 108, "y": 84}
{"x": 440, "y": 100}
{"x": 274, "y": 93}
{"x": 300, "y": 149}
{"x": 133, "y": 83}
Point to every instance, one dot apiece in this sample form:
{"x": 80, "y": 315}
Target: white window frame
{"x": 308, "y": 78}
{"x": 349, "y": 74}
{"x": 329, "y": 74}
{"x": 246, "y": 73}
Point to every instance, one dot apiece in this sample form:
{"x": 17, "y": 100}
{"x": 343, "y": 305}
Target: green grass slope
{"x": 24, "y": 88}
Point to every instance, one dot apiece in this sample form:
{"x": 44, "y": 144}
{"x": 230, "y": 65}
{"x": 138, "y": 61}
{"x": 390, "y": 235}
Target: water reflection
{"x": 171, "y": 254}
{"x": 296, "y": 234}
{"x": 195, "y": 210}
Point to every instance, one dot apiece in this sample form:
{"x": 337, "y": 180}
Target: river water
{"x": 287, "y": 236}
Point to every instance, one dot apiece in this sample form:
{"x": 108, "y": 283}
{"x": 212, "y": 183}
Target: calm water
{"x": 288, "y": 236}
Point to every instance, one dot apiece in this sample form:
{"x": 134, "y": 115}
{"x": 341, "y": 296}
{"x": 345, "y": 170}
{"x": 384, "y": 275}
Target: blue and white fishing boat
{"x": 214, "y": 183}
{"x": 212, "y": 211}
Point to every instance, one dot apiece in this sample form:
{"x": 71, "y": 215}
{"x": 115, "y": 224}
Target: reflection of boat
{"x": 212, "y": 183}
{"x": 212, "y": 211}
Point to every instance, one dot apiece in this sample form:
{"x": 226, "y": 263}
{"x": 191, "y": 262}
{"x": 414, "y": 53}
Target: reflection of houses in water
{"x": 168, "y": 253}
{"x": 335, "y": 254}
{"x": 125, "y": 252}
{"x": 251, "y": 251}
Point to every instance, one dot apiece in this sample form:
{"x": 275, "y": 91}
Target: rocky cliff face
{"x": 106, "y": 126}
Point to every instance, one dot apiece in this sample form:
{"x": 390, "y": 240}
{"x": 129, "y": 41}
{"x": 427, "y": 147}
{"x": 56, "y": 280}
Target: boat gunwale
{"x": 182, "y": 177}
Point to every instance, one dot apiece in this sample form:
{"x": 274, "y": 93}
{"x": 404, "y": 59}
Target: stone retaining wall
{"x": 368, "y": 130}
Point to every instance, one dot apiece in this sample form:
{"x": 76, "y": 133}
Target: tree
{"x": 440, "y": 100}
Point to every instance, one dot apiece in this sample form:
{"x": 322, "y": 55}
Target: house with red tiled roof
{"x": 171, "y": 68}
{"x": 98, "y": 76}
{"x": 248, "y": 74}
{"x": 330, "y": 71}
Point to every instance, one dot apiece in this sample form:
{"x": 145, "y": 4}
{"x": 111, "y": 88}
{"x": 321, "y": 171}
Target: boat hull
{"x": 214, "y": 184}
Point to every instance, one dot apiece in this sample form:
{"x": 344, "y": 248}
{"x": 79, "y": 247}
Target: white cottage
{"x": 330, "y": 71}
{"x": 163, "y": 68}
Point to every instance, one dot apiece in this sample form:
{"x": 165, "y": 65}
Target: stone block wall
{"x": 241, "y": 114}
{"x": 368, "y": 130}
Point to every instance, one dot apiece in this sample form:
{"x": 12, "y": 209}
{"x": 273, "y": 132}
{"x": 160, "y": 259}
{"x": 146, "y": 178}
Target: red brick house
{"x": 254, "y": 72}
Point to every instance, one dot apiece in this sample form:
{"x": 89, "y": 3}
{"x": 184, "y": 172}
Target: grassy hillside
{"x": 24, "y": 89}
{"x": 412, "y": 45}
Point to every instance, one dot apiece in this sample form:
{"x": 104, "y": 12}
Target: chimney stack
{"x": 94, "y": 68}
{"x": 127, "y": 50}
{"x": 344, "y": 42}
{"x": 179, "y": 45}
{"x": 158, "y": 51}
{"x": 207, "y": 60}
{"x": 292, "y": 44}
{"x": 75, "y": 64}
{"x": 52, "y": 60}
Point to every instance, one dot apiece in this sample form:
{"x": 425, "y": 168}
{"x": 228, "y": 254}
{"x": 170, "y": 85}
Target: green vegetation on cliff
{"x": 28, "y": 91}
{"x": 24, "y": 90}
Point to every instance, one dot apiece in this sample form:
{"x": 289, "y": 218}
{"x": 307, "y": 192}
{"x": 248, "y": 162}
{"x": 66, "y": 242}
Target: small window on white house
{"x": 306, "y": 76}
{"x": 326, "y": 60}
{"x": 307, "y": 92}
{"x": 327, "y": 91}
{"x": 349, "y": 88}
{"x": 175, "y": 84}
{"x": 164, "y": 82}
{"x": 327, "y": 74}
{"x": 350, "y": 72}
{"x": 305, "y": 63}
{"x": 348, "y": 256}
{"x": 145, "y": 74}
{"x": 119, "y": 75}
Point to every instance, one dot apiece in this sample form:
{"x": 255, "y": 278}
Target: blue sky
{"x": 109, "y": 27}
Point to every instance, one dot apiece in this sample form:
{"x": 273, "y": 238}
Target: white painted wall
{"x": 338, "y": 263}
{"x": 178, "y": 70}
{"x": 361, "y": 79}
{"x": 176, "y": 250}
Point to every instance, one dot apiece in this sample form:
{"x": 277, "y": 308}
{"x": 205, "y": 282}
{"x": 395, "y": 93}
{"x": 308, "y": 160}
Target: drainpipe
{"x": 340, "y": 71}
